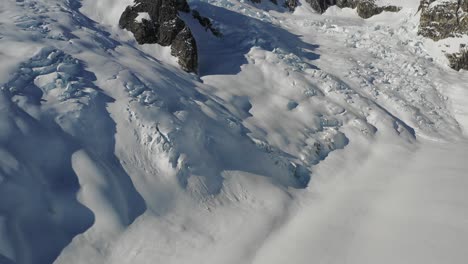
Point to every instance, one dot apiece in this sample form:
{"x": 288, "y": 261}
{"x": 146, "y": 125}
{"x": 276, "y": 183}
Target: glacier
{"x": 303, "y": 137}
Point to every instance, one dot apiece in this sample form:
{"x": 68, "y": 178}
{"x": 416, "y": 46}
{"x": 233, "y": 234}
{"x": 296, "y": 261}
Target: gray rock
{"x": 443, "y": 19}
{"x": 291, "y": 4}
{"x": 206, "y": 23}
{"x": 259, "y": 1}
{"x": 184, "y": 47}
{"x": 321, "y": 5}
{"x": 367, "y": 9}
{"x": 364, "y": 8}
{"x": 459, "y": 60}
{"x": 164, "y": 27}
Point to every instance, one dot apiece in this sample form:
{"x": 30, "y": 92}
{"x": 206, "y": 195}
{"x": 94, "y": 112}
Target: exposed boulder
{"x": 206, "y": 23}
{"x": 367, "y": 8}
{"x": 185, "y": 48}
{"x": 259, "y": 1}
{"x": 364, "y": 8}
{"x": 291, "y": 4}
{"x": 321, "y": 5}
{"x": 157, "y": 21}
{"x": 441, "y": 19}
{"x": 459, "y": 60}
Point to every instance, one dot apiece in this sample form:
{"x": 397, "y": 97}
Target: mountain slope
{"x": 112, "y": 154}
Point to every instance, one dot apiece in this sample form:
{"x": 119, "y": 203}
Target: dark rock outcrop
{"x": 163, "y": 27}
{"x": 443, "y": 19}
{"x": 364, "y": 8}
{"x": 459, "y": 60}
{"x": 291, "y": 4}
{"x": 206, "y": 23}
{"x": 367, "y": 9}
{"x": 259, "y": 1}
{"x": 185, "y": 48}
{"x": 322, "y": 5}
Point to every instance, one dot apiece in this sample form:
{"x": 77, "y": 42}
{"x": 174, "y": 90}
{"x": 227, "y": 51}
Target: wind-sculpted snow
{"x": 407, "y": 88}
{"x": 53, "y": 75}
{"x": 52, "y": 111}
{"x": 39, "y": 23}
{"x": 397, "y": 79}
{"x": 175, "y": 131}
{"x": 109, "y": 153}
{"x": 39, "y": 209}
{"x": 196, "y": 141}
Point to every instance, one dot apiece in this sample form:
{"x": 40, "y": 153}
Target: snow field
{"x": 305, "y": 137}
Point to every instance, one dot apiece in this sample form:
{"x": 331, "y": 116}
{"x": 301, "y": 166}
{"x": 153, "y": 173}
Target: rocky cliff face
{"x": 369, "y": 8}
{"x": 441, "y": 19}
{"x": 459, "y": 60}
{"x": 365, "y": 8}
{"x": 157, "y": 21}
{"x": 322, "y": 5}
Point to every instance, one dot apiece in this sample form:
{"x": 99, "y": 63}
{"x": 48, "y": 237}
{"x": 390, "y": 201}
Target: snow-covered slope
{"x": 304, "y": 137}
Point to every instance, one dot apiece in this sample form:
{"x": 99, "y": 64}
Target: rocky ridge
{"x": 158, "y": 22}
{"x": 443, "y": 19}
{"x": 446, "y": 19}
{"x": 459, "y": 60}
{"x": 364, "y": 8}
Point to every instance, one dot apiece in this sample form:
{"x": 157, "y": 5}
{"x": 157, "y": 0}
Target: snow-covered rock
{"x": 364, "y": 8}
{"x": 459, "y": 60}
{"x": 161, "y": 24}
{"x": 443, "y": 19}
{"x": 302, "y": 134}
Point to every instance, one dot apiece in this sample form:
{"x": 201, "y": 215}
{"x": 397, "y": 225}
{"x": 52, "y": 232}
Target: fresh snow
{"x": 305, "y": 138}
{"x": 376, "y": 213}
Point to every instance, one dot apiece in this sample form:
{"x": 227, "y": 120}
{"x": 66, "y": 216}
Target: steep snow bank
{"x": 401, "y": 205}
{"x": 108, "y": 153}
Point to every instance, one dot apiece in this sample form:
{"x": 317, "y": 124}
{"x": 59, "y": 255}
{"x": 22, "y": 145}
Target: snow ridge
{"x": 109, "y": 153}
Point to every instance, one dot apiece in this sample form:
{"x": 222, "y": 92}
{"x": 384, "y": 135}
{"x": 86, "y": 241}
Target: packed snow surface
{"x": 305, "y": 138}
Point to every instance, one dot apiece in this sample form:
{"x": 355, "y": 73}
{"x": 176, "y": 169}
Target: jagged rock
{"x": 443, "y": 19}
{"x": 259, "y": 1}
{"x": 321, "y": 5}
{"x": 459, "y": 60}
{"x": 367, "y": 9}
{"x": 206, "y": 23}
{"x": 291, "y": 4}
{"x": 157, "y": 21}
{"x": 364, "y": 8}
{"x": 185, "y": 48}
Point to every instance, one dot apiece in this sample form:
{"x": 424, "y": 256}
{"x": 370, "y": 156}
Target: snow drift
{"x": 326, "y": 132}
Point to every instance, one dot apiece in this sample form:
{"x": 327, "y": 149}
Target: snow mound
{"x": 51, "y": 74}
{"x": 299, "y": 126}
